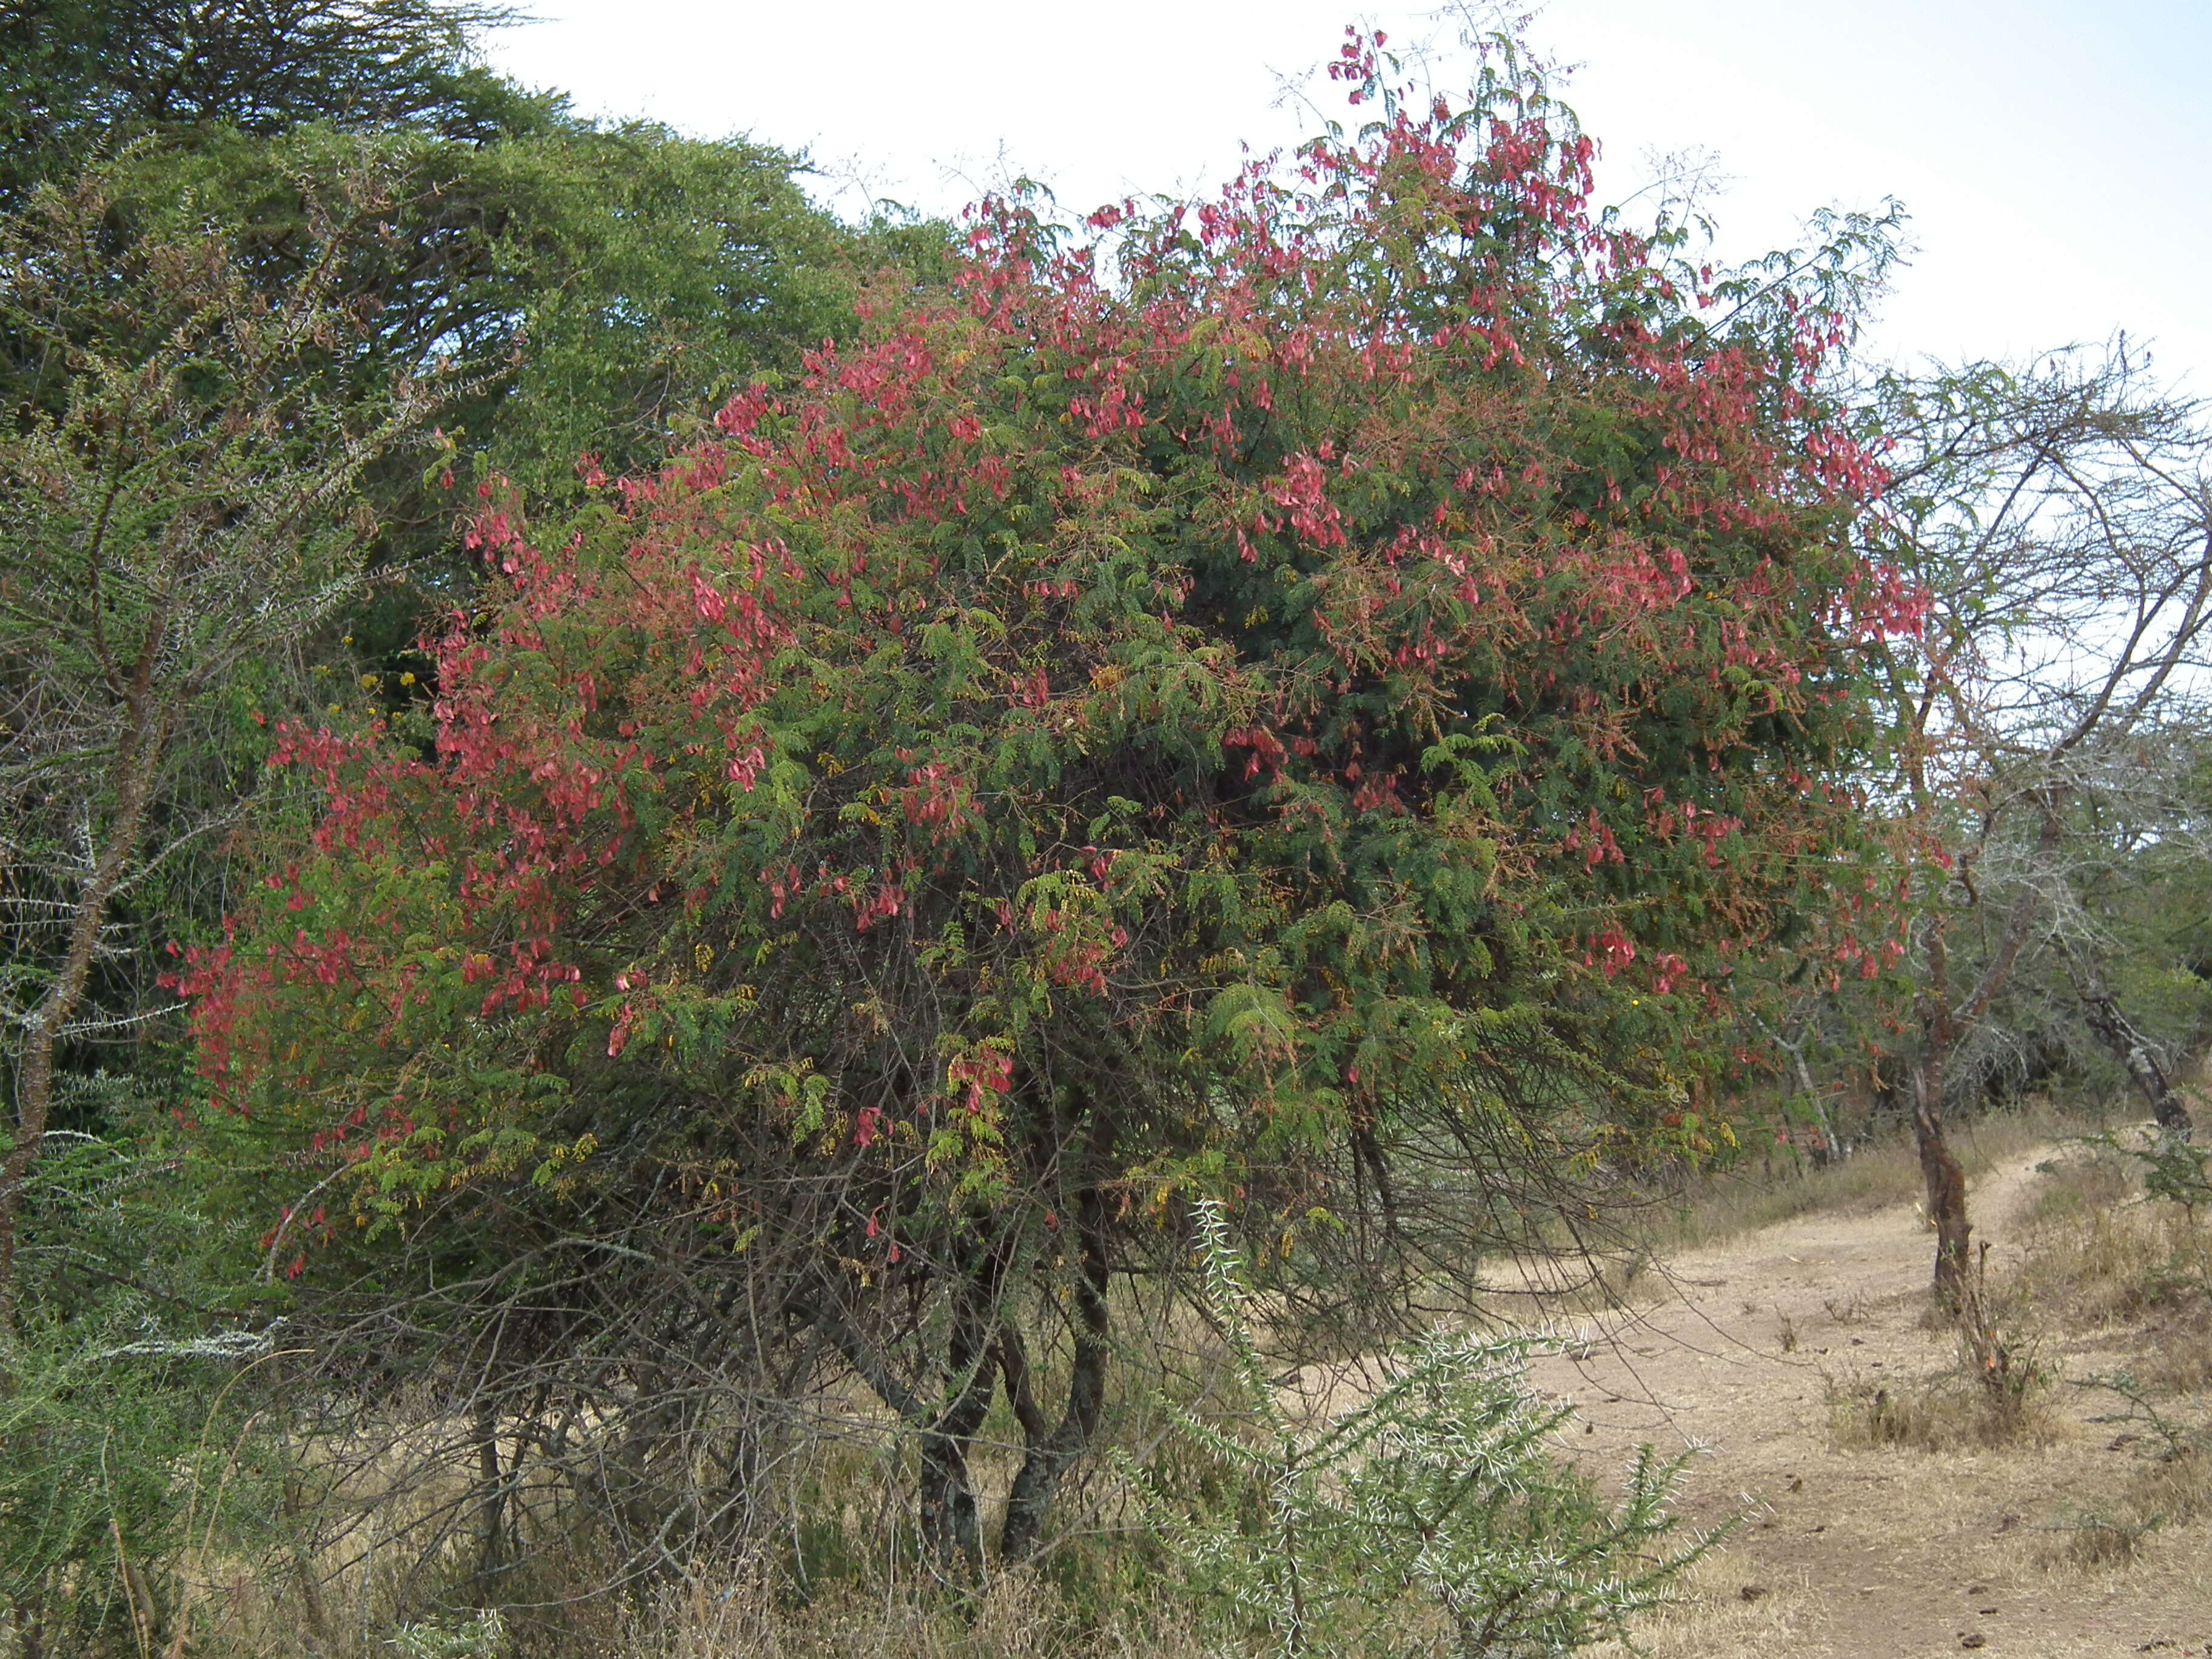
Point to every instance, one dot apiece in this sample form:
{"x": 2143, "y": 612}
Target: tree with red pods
{"x": 1313, "y": 720}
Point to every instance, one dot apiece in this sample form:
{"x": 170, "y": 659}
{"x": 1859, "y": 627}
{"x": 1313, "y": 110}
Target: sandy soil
{"x": 1867, "y": 1553}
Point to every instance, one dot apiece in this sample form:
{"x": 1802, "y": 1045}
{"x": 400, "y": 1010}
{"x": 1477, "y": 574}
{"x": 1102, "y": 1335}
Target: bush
{"x": 133, "y": 1431}
{"x": 1307, "y": 695}
{"x": 1432, "y": 1517}
{"x": 124, "y": 1465}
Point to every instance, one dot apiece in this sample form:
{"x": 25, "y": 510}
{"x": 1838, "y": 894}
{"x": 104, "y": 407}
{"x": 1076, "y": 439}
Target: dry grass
{"x": 1722, "y": 1614}
{"x": 2176, "y": 1484}
{"x": 2170, "y": 1483}
{"x": 1763, "y": 1192}
{"x": 2099, "y": 1258}
{"x": 2171, "y": 1487}
{"x": 2180, "y": 1362}
{"x": 751, "y": 1608}
{"x": 2104, "y": 1262}
{"x": 1018, "y": 1616}
{"x": 2100, "y": 1254}
{"x": 2089, "y": 1542}
{"x": 1951, "y": 1411}
{"x": 2115, "y": 1499}
{"x": 1922, "y": 1505}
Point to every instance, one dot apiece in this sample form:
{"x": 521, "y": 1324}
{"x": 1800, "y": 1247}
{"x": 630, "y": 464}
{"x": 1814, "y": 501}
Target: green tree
{"x": 190, "y": 515}
{"x": 596, "y": 286}
{"x": 593, "y": 288}
{"x": 81, "y": 78}
{"x": 556, "y": 280}
{"x": 1314, "y": 721}
{"x": 177, "y": 529}
{"x": 251, "y": 252}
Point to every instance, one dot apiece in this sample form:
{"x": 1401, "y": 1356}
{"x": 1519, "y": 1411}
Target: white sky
{"x": 2056, "y": 155}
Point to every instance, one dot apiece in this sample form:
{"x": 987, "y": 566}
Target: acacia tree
{"x": 2062, "y": 521}
{"x": 600, "y": 286}
{"x": 79, "y": 79}
{"x": 1312, "y": 720}
{"x": 186, "y": 517}
{"x": 565, "y": 283}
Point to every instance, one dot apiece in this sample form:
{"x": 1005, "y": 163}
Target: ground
{"x": 1869, "y": 1551}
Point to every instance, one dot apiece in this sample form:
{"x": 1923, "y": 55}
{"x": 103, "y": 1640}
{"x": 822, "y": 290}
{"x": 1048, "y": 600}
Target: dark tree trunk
{"x": 491, "y": 1514}
{"x": 2127, "y": 1046}
{"x": 951, "y": 1534}
{"x": 952, "y": 1529}
{"x": 1053, "y": 1450}
{"x": 1939, "y": 1166}
{"x": 1941, "y": 1024}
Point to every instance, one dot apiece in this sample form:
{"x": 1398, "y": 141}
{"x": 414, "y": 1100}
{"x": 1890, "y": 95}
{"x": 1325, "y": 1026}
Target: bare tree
{"x": 2061, "y": 518}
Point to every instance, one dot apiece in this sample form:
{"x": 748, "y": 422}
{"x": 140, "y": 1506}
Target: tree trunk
{"x": 2127, "y": 1046}
{"x": 491, "y": 1513}
{"x": 1940, "y": 1168}
{"x": 1941, "y": 1022}
{"x": 952, "y": 1527}
{"x": 1830, "y": 1149}
{"x": 1052, "y": 1450}
{"x": 952, "y": 1530}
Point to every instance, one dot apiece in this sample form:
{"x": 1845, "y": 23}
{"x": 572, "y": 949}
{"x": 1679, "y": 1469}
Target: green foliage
{"x": 1051, "y": 697}
{"x": 653, "y": 275}
{"x": 380, "y": 226}
{"x": 2173, "y": 1168}
{"x": 132, "y": 1395}
{"x": 587, "y": 290}
{"x": 79, "y": 79}
{"x": 188, "y": 512}
{"x": 124, "y": 1456}
{"x": 1078, "y": 746}
{"x": 1437, "y": 1515}
{"x": 2178, "y": 1171}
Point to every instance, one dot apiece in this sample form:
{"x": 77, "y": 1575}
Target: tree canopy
{"x": 78, "y": 78}
{"x": 1303, "y": 696}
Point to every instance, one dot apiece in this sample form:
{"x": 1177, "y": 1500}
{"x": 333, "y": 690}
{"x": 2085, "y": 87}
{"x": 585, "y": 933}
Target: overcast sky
{"x": 2054, "y": 155}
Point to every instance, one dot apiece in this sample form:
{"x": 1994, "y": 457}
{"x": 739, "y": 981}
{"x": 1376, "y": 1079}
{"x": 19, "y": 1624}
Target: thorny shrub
{"x": 1437, "y": 1516}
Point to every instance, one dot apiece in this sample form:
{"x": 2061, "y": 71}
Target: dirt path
{"x": 1868, "y": 1553}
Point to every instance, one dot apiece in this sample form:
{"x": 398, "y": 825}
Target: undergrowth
{"x": 1994, "y": 1392}
{"x": 1435, "y": 1515}
{"x": 1431, "y": 1488}
{"x": 2171, "y": 1481}
{"x": 2109, "y": 1243}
